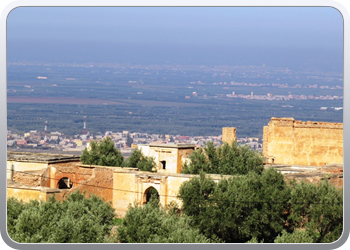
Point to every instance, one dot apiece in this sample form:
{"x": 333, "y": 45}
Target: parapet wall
{"x": 287, "y": 141}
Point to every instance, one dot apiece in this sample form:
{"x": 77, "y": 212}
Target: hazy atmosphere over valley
{"x": 178, "y": 71}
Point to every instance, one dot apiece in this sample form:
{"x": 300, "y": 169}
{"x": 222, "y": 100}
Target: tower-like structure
{"x": 229, "y": 135}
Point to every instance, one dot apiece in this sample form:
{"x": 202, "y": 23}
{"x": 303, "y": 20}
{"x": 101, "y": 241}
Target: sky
{"x": 283, "y": 36}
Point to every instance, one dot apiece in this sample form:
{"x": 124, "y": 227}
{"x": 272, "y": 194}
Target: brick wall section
{"x": 96, "y": 180}
{"x": 287, "y": 141}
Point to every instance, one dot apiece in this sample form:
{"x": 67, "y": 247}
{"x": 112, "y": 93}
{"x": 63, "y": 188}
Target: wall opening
{"x": 65, "y": 183}
{"x": 163, "y": 164}
{"x": 150, "y": 192}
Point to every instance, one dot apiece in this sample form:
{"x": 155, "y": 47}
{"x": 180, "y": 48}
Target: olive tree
{"x": 227, "y": 159}
{"x": 76, "y": 219}
{"x": 317, "y": 208}
{"x": 138, "y": 160}
{"x": 238, "y": 208}
{"x": 102, "y": 153}
{"x": 152, "y": 223}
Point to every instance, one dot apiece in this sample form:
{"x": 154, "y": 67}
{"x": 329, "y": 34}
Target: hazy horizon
{"x": 293, "y": 37}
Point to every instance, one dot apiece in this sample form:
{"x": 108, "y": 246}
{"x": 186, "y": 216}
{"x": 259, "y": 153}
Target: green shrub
{"x": 297, "y": 236}
{"x": 225, "y": 159}
{"x": 138, "y": 160}
{"x": 75, "y": 220}
{"x": 102, "y": 153}
{"x": 152, "y": 224}
{"x": 318, "y": 208}
{"x": 238, "y": 208}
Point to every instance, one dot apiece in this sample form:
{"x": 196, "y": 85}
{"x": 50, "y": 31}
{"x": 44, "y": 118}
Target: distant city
{"x": 124, "y": 141}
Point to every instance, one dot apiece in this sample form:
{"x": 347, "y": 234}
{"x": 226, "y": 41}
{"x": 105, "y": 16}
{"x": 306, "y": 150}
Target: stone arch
{"x": 65, "y": 183}
{"x": 148, "y": 192}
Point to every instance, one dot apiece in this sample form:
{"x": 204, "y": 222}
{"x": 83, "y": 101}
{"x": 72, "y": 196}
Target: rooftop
{"x": 179, "y": 145}
{"x": 40, "y": 157}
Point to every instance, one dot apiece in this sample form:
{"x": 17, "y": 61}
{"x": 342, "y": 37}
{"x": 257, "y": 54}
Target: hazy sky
{"x": 175, "y": 33}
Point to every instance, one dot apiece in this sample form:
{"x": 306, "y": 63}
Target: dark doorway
{"x": 151, "y": 193}
{"x": 65, "y": 183}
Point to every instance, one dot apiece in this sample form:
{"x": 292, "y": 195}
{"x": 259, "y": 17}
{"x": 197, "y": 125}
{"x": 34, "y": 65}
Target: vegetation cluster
{"x": 75, "y": 219}
{"x": 247, "y": 205}
{"x": 104, "y": 153}
{"x": 225, "y": 160}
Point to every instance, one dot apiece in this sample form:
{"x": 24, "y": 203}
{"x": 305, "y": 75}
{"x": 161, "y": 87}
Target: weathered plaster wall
{"x": 27, "y": 193}
{"x": 287, "y": 141}
{"x": 130, "y": 187}
{"x": 172, "y": 155}
{"x": 17, "y": 166}
{"x": 169, "y": 155}
{"x": 29, "y": 178}
{"x": 125, "y": 190}
{"x": 69, "y": 170}
{"x": 229, "y": 134}
{"x": 182, "y": 157}
{"x": 96, "y": 180}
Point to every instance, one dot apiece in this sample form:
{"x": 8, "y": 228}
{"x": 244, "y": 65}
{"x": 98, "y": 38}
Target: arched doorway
{"x": 150, "y": 192}
{"x": 65, "y": 183}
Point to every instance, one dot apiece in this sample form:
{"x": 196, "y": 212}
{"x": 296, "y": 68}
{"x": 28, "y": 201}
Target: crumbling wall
{"x": 96, "y": 180}
{"x": 287, "y": 141}
{"x": 69, "y": 170}
{"x": 29, "y": 178}
{"x": 229, "y": 135}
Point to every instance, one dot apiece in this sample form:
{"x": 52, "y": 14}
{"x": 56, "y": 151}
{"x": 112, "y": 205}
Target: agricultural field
{"x": 161, "y": 100}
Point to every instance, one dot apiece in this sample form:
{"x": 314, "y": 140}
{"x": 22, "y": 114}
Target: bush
{"x": 75, "y": 220}
{"x": 102, "y": 153}
{"x": 318, "y": 208}
{"x": 298, "y": 236}
{"x": 239, "y": 208}
{"x": 152, "y": 224}
{"x": 225, "y": 159}
{"x": 138, "y": 160}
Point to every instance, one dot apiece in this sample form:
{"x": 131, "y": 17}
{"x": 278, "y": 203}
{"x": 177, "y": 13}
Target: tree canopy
{"x": 151, "y": 223}
{"x": 257, "y": 208}
{"x": 138, "y": 160}
{"x": 102, "y": 153}
{"x": 74, "y": 220}
{"x": 226, "y": 159}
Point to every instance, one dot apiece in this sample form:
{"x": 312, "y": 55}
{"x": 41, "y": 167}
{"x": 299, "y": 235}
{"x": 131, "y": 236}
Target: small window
{"x": 163, "y": 164}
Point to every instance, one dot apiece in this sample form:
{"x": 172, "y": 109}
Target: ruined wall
{"x": 130, "y": 187}
{"x": 27, "y": 193}
{"x": 169, "y": 155}
{"x": 69, "y": 170}
{"x": 96, "y": 180}
{"x": 17, "y": 166}
{"x": 125, "y": 192}
{"x": 173, "y": 157}
{"x": 182, "y": 157}
{"x": 229, "y": 134}
{"x": 29, "y": 178}
{"x": 287, "y": 141}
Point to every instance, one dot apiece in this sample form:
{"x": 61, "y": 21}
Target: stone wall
{"x": 130, "y": 187}
{"x": 229, "y": 134}
{"x": 287, "y": 141}
{"x": 96, "y": 180}
{"x": 26, "y": 193}
{"x": 168, "y": 157}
